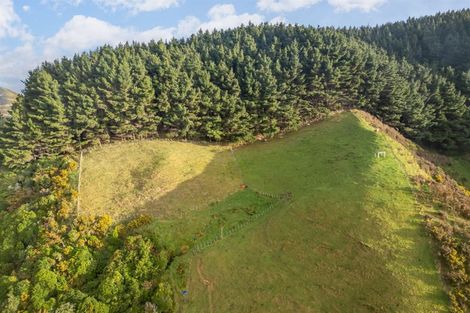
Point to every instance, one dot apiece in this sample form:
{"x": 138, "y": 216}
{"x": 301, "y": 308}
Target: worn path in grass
{"x": 351, "y": 240}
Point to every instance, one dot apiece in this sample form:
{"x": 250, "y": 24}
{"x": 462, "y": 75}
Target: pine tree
{"x": 291, "y": 86}
{"x": 268, "y": 102}
{"x": 15, "y": 150}
{"x": 79, "y": 100}
{"x": 113, "y": 85}
{"x": 45, "y": 120}
{"x": 233, "y": 114}
{"x": 142, "y": 99}
{"x": 392, "y": 98}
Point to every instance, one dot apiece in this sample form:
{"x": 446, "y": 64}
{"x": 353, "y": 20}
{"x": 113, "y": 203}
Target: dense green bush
{"x": 52, "y": 260}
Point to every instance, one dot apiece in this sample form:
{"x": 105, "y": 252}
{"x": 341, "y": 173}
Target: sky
{"x": 35, "y": 31}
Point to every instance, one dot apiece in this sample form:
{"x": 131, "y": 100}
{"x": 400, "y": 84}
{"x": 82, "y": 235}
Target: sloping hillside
{"x": 6, "y": 99}
{"x": 439, "y": 40}
{"x": 348, "y": 237}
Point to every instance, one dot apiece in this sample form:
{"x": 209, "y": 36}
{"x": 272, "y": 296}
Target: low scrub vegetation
{"x": 54, "y": 261}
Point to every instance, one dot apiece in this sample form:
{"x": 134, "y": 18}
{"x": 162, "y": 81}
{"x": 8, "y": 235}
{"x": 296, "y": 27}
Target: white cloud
{"x": 137, "y": 6}
{"x": 223, "y": 16}
{"x": 10, "y": 23}
{"x": 278, "y": 19}
{"x": 83, "y": 33}
{"x": 363, "y": 5}
{"x": 220, "y": 11}
{"x": 187, "y": 26}
{"x": 26, "y": 8}
{"x": 285, "y": 5}
{"x": 15, "y": 63}
{"x": 80, "y": 33}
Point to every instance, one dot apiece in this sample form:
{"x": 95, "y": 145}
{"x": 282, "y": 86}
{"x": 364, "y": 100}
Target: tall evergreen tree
{"x": 142, "y": 97}
{"x": 15, "y": 149}
{"x": 45, "y": 121}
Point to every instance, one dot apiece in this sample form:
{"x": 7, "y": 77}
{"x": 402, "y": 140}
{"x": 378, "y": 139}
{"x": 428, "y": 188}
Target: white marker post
{"x": 380, "y": 154}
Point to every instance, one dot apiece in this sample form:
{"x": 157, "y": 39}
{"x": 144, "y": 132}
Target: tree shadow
{"x": 220, "y": 178}
{"x": 324, "y": 240}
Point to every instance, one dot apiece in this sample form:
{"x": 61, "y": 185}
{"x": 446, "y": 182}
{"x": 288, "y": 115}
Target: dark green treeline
{"x": 226, "y": 86}
{"x": 441, "y": 41}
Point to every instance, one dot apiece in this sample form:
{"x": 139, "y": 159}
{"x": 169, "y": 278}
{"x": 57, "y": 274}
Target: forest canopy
{"x": 227, "y": 86}
{"x": 441, "y": 41}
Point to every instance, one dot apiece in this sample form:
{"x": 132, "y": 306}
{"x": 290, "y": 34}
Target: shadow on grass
{"x": 140, "y": 176}
{"x": 323, "y": 252}
{"x": 219, "y": 179}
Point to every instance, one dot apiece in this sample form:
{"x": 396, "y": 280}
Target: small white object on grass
{"x": 380, "y": 154}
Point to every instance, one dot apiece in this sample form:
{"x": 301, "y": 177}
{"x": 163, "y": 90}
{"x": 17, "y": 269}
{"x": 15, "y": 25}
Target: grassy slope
{"x": 6, "y": 99}
{"x": 350, "y": 240}
{"x": 138, "y": 177}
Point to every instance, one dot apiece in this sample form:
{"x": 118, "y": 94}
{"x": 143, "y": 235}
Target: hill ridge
{"x": 6, "y": 99}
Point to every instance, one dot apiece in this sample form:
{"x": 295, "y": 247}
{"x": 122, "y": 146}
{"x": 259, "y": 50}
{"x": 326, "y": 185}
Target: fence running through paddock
{"x": 199, "y": 247}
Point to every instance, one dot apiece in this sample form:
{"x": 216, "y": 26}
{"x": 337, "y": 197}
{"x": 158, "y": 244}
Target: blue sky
{"x": 34, "y": 31}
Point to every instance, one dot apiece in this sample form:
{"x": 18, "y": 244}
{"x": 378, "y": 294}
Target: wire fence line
{"x": 204, "y": 244}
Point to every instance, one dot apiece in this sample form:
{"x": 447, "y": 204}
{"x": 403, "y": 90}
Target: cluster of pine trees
{"x": 441, "y": 41}
{"x": 226, "y": 86}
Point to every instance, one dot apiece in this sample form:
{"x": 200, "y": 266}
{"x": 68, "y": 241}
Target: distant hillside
{"x": 440, "y": 41}
{"x": 6, "y": 99}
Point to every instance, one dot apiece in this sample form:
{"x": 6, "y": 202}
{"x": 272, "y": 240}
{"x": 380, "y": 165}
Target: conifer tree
{"x": 392, "y": 98}
{"x": 142, "y": 97}
{"x": 233, "y": 113}
{"x": 268, "y": 102}
{"x": 45, "y": 121}
{"x": 15, "y": 150}
{"x": 79, "y": 100}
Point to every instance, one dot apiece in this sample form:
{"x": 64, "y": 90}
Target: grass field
{"x": 139, "y": 178}
{"x": 350, "y": 239}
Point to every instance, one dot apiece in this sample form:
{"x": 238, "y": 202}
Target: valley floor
{"x": 350, "y": 238}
